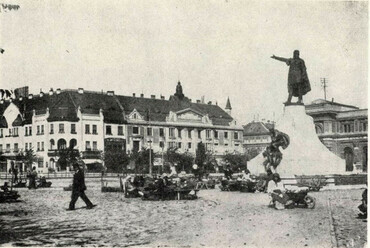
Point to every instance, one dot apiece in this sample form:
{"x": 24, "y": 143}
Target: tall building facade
{"x": 93, "y": 122}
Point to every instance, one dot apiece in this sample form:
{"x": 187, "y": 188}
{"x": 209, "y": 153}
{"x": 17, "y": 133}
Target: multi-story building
{"x": 256, "y": 136}
{"x": 343, "y": 130}
{"x": 91, "y": 122}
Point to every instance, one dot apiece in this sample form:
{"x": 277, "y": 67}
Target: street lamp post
{"x": 150, "y": 156}
{"x": 162, "y": 160}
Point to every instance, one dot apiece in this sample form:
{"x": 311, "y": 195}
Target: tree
{"x": 183, "y": 161}
{"x": 141, "y": 159}
{"x": 68, "y": 156}
{"x": 29, "y": 157}
{"x": 116, "y": 160}
{"x": 237, "y": 161}
{"x": 210, "y": 162}
{"x": 200, "y": 155}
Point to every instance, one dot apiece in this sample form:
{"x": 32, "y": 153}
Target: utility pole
{"x": 150, "y": 143}
{"x": 324, "y": 85}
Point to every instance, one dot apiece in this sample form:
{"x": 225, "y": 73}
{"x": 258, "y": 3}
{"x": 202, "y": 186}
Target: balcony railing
{"x": 91, "y": 154}
{"x": 55, "y": 152}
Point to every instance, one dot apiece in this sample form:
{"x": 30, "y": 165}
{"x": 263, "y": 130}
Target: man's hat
{"x": 276, "y": 175}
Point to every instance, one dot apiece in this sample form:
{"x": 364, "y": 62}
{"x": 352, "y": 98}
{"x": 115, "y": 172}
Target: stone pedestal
{"x": 305, "y": 155}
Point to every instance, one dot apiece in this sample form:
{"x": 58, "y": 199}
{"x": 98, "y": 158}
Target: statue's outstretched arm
{"x": 279, "y": 58}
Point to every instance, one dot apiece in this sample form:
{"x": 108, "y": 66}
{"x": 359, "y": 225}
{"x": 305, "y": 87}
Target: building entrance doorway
{"x": 136, "y": 146}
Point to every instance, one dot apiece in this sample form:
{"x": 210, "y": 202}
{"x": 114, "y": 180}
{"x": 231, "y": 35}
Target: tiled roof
{"x": 323, "y": 102}
{"x": 159, "y": 109}
{"x": 18, "y": 121}
{"x": 256, "y": 128}
{"x": 91, "y": 103}
{"x": 63, "y": 107}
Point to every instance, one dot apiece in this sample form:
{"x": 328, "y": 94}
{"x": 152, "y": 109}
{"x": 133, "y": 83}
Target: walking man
{"x": 78, "y": 188}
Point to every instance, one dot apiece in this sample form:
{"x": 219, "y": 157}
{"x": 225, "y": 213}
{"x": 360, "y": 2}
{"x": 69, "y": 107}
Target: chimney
{"x": 30, "y": 96}
{"x": 51, "y": 92}
{"x": 152, "y": 96}
{"x": 80, "y": 90}
{"x": 133, "y": 94}
{"x": 162, "y": 97}
{"x": 210, "y": 103}
{"x": 58, "y": 91}
{"x": 332, "y": 100}
{"x": 110, "y": 93}
{"x": 41, "y": 94}
{"x": 142, "y": 95}
{"x": 198, "y": 101}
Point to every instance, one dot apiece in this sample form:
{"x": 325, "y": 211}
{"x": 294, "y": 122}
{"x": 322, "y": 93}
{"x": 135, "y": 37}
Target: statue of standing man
{"x": 298, "y": 83}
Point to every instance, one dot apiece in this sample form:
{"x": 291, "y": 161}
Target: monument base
{"x": 305, "y": 155}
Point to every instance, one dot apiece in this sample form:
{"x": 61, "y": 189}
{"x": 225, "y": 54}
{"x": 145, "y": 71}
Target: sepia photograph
{"x": 173, "y": 123}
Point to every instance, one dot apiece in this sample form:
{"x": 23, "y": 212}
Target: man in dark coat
{"x": 78, "y": 188}
{"x": 298, "y": 83}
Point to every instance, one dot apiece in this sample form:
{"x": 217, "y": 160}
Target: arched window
{"x": 348, "y": 156}
{"x": 72, "y": 143}
{"x": 52, "y": 163}
{"x": 318, "y": 129}
{"x": 52, "y": 144}
{"x": 62, "y": 144}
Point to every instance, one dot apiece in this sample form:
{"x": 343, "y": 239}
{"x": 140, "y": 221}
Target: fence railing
{"x": 60, "y": 175}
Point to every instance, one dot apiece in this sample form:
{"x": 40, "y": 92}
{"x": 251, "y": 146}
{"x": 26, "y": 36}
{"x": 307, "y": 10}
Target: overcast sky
{"x": 216, "y": 49}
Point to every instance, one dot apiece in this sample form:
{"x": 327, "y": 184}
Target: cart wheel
{"x": 310, "y": 201}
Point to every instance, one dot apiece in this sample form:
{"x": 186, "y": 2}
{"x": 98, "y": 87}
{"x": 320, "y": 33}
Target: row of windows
{"x": 40, "y": 129}
{"x": 172, "y": 144}
{"x": 171, "y": 133}
{"x": 350, "y": 127}
{"x": 257, "y": 138}
{"x": 108, "y": 130}
{"x": 12, "y": 132}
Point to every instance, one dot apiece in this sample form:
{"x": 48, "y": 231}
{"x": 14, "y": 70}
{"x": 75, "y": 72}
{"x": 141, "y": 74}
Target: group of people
{"x": 17, "y": 177}
{"x": 156, "y": 187}
{"x": 32, "y": 178}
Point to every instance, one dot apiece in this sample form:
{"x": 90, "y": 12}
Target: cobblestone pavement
{"x": 349, "y": 231}
{"x": 221, "y": 219}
